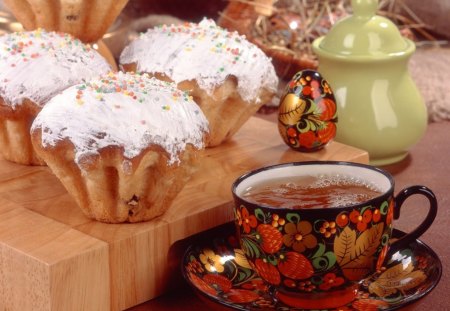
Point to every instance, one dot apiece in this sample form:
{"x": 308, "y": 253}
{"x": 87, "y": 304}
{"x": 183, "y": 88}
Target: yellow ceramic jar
{"x": 365, "y": 60}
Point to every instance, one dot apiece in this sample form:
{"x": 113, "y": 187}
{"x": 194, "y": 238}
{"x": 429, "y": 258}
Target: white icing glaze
{"x": 204, "y": 52}
{"x": 37, "y": 65}
{"x": 126, "y": 110}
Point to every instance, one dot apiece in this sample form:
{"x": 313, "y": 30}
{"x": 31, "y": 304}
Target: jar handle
{"x": 364, "y": 8}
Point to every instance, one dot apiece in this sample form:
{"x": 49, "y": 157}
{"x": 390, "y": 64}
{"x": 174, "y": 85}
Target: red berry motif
{"x": 242, "y": 295}
{"x": 202, "y": 285}
{"x": 342, "y": 220}
{"x": 307, "y": 139}
{"x": 327, "y": 133}
{"x": 223, "y": 283}
{"x": 376, "y": 217}
{"x": 295, "y": 266}
{"x": 327, "y": 108}
{"x": 271, "y": 238}
{"x": 361, "y": 221}
{"x": 267, "y": 271}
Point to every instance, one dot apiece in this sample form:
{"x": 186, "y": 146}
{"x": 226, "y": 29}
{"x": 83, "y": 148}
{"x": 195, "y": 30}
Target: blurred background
{"x": 285, "y": 29}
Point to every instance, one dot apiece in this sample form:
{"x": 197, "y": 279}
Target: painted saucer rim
{"x": 396, "y": 233}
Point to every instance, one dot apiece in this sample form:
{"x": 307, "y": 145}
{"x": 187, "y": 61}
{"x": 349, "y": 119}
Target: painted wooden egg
{"x": 307, "y": 114}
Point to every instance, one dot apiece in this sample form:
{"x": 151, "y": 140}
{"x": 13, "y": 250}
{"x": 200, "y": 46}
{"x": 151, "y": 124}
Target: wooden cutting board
{"x": 54, "y": 258}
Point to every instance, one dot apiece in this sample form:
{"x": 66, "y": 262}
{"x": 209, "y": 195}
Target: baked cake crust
{"x": 34, "y": 67}
{"x": 123, "y": 145}
{"x": 228, "y": 77}
{"x": 87, "y": 20}
{"x": 113, "y": 189}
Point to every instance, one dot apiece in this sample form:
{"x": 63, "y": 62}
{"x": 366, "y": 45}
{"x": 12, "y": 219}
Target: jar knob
{"x": 364, "y": 8}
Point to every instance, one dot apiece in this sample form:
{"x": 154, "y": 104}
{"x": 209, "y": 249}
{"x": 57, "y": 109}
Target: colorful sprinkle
{"x": 19, "y": 43}
{"x": 200, "y": 32}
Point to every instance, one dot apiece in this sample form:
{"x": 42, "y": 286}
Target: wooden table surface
{"x": 45, "y": 239}
{"x": 427, "y": 164}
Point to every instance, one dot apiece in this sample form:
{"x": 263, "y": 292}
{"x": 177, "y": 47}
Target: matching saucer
{"x": 217, "y": 269}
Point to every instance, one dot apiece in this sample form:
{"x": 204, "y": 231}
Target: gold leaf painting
{"x": 355, "y": 254}
{"x": 397, "y": 278}
{"x": 291, "y": 109}
{"x": 344, "y": 243}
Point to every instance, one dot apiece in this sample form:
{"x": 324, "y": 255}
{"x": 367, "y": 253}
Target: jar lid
{"x": 363, "y": 34}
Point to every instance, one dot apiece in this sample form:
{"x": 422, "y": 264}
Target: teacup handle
{"x": 426, "y": 223}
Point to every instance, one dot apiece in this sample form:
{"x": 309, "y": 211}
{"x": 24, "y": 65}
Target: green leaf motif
{"x": 293, "y": 217}
{"x": 319, "y": 263}
{"x": 331, "y": 259}
{"x": 243, "y": 275}
{"x": 260, "y": 215}
{"x": 325, "y": 262}
{"x": 250, "y": 248}
{"x": 364, "y": 209}
{"x": 272, "y": 260}
{"x": 320, "y": 250}
{"x": 384, "y": 208}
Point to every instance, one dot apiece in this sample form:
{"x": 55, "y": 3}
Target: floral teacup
{"x": 314, "y": 258}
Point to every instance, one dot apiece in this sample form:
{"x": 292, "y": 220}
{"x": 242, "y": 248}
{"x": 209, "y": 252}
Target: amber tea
{"x": 312, "y": 192}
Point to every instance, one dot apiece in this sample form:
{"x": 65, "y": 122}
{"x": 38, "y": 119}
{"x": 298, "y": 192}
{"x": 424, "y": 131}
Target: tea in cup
{"x": 314, "y": 230}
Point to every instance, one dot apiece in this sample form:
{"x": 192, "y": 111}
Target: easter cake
{"x": 87, "y": 20}
{"x": 35, "y": 66}
{"x": 228, "y": 77}
{"x": 123, "y": 145}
